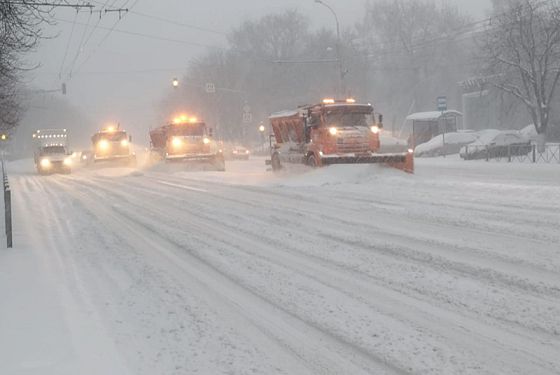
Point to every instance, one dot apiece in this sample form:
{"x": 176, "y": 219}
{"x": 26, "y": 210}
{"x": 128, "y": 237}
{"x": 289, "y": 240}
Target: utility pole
{"x": 341, "y": 71}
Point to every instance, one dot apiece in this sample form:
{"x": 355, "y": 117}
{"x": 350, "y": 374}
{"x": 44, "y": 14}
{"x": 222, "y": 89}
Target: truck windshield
{"x": 113, "y": 137}
{"x": 345, "y": 119}
{"x": 189, "y": 130}
{"x": 51, "y": 150}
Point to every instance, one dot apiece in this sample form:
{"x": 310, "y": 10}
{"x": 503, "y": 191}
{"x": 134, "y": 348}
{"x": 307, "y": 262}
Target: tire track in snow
{"x": 456, "y": 227}
{"x": 392, "y": 253}
{"x": 163, "y": 213}
{"x": 333, "y": 356}
{"x": 418, "y": 247}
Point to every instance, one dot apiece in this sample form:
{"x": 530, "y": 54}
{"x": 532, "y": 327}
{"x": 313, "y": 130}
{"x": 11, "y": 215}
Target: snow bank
{"x": 452, "y": 145}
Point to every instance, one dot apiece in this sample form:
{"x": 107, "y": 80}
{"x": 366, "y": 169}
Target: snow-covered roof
{"x": 283, "y": 114}
{"x": 432, "y": 116}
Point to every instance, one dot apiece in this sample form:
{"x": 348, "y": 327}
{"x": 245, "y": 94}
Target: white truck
{"x": 51, "y": 151}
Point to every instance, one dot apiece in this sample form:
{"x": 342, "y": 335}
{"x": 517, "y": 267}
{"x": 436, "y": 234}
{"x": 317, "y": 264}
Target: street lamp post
{"x": 341, "y": 71}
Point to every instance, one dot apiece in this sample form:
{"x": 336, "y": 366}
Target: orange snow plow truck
{"x": 332, "y": 132}
{"x": 187, "y": 140}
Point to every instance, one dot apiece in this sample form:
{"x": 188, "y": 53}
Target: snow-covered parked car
{"x": 445, "y": 144}
{"x": 497, "y": 144}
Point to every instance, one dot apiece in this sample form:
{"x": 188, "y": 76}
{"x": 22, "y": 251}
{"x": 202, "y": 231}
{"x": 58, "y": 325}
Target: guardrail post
{"x": 8, "y": 209}
{"x": 509, "y": 153}
{"x": 487, "y": 154}
{"x": 534, "y": 153}
{"x": 7, "y": 206}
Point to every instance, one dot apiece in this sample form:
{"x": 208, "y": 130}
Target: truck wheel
{"x": 276, "y": 164}
{"x": 312, "y": 161}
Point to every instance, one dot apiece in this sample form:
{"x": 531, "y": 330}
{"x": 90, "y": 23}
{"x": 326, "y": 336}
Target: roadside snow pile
{"x": 452, "y": 145}
{"x": 454, "y": 142}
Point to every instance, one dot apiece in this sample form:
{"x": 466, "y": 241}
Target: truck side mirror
{"x": 211, "y": 132}
{"x": 130, "y": 138}
{"x": 380, "y": 122}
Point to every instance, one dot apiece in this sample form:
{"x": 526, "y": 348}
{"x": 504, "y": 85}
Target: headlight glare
{"x": 333, "y": 131}
{"x": 103, "y": 144}
{"x": 176, "y": 142}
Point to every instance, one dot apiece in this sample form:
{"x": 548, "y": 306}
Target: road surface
{"x": 343, "y": 270}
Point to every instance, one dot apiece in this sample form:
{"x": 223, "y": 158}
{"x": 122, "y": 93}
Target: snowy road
{"x": 344, "y": 270}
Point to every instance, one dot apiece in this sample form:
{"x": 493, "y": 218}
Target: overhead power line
{"x": 67, "y": 46}
{"x": 148, "y": 36}
{"x": 47, "y": 4}
{"x": 181, "y": 24}
{"x": 173, "y": 22}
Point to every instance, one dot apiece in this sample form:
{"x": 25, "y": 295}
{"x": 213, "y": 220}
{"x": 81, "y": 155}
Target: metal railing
{"x": 523, "y": 153}
{"x": 7, "y": 206}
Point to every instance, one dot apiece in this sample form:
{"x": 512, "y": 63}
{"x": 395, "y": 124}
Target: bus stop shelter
{"x": 427, "y": 125}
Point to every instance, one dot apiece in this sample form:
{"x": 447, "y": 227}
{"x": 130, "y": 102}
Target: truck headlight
{"x": 176, "y": 142}
{"x": 67, "y": 162}
{"x": 124, "y": 142}
{"x": 103, "y": 145}
{"x": 333, "y": 131}
{"x": 45, "y": 163}
{"x": 206, "y": 141}
{"x": 375, "y": 129}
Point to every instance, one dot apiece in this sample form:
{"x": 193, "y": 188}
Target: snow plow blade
{"x": 403, "y": 161}
{"x": 191, "y": 159}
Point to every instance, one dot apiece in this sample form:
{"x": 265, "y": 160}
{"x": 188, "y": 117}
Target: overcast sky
{"x": 122, "y": 77}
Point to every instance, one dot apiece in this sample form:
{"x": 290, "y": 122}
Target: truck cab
{"x": 113, "y": 145}
{"x": 51, "y": 151}
{"x": 187, "y": 140}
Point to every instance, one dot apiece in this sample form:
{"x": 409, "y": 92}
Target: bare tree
{"x": 417, "y": 50}
{"x": 20, "y": 31}
{"x": 521, "y": 52}
{"x": 272, "y": 63}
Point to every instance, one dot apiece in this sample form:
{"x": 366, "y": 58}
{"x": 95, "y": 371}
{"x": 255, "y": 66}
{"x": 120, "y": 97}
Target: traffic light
{"x": 64, "y": 89}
